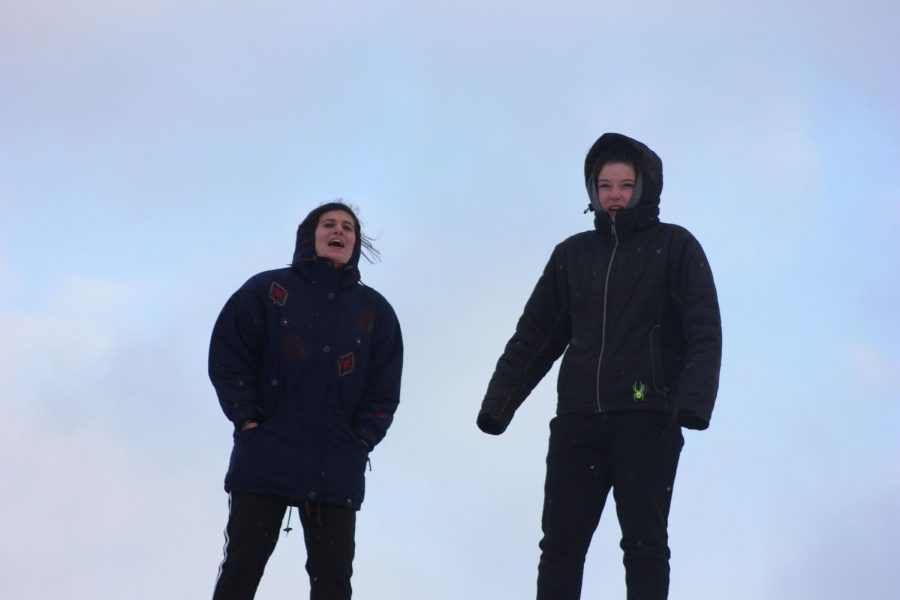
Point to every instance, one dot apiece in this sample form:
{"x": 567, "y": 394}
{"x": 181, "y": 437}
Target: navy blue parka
{"x": 315, "y": 357}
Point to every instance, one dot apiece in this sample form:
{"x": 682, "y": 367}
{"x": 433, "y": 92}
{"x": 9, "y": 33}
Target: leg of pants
{"x": 254, "y": 521}
{"x": 329, "y": 532}
{"x": 635, "y": 453}
{"x": 575, "y": 491}
{"x": 645, "y": 448}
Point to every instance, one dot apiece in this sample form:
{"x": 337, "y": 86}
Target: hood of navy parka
{"x": 308, "y": 262}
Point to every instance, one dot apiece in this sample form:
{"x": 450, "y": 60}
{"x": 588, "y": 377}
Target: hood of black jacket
{"x": 650, "y": 184}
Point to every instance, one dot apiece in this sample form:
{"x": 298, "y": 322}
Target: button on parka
{"x": 315, "y": 357}
{"x": 632, "y": 304}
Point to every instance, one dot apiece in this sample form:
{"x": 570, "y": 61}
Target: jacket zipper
{"x": 612, "y": 257}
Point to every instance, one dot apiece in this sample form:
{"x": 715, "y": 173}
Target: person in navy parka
{"x": 306, "y": 362}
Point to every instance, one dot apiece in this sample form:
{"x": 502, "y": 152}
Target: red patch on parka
{"x": 292, "y": 346}
{"x": 367, "y": 320}
{"x": 346, "y": 364}
{"x": 278, "y": 293}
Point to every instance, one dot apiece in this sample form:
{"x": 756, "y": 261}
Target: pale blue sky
{"x": 154, "y": 155}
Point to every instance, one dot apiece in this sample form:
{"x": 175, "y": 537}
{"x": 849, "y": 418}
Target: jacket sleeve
{"x": 381, "y": 394}
{"x": 541, "y": 335}
{"x": 694, "y": 292}
{"x": 235, "y": 351}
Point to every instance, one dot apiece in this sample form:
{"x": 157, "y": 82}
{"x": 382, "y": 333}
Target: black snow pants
{"x": 254, "y": 522}
{"x": 636, "y": 454}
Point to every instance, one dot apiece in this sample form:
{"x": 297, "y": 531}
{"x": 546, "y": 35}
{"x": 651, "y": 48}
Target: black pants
{"x": 636, "y": 454}
{"x": 254, "y": 522}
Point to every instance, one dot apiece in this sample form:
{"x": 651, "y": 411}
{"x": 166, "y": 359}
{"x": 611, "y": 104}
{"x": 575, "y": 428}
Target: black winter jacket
{"x": 634, "y": 307}
{"x": 315, "y": 357}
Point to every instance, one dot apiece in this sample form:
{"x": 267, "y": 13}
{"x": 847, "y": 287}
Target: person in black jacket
{"x": 306, "y": 363}
{"x": 633, "y": 306}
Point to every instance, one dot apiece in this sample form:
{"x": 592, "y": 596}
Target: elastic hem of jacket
{"x": 644, "y": 406}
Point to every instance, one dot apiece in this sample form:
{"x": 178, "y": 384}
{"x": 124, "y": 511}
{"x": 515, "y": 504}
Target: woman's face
{"x": 336, "y": 236}
{"x": 615, "y": 186}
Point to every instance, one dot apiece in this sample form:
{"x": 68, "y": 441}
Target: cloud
{"x": 101, "y": 495}
{"x": 871, "y": 369}
{"x": 84, "y": 511}
{"x": 63, "y": 335}
{"x": 844, "y": 552}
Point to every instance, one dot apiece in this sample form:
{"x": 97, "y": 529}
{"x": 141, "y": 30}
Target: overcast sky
{"x": 155, "y": 154}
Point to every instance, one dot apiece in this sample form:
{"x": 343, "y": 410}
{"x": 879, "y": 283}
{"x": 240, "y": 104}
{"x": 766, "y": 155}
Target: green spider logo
{"x": 639, "y": 390}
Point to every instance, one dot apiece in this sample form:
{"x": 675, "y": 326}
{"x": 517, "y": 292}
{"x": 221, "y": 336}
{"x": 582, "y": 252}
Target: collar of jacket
{"x": 628, "y": 219}
{"x": 318, "y": 269}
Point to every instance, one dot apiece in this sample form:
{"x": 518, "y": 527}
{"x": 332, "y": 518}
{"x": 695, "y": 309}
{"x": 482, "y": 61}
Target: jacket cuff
{"x": 691, "y": 420}
{"x": 492, "y": 423}
{"x": 244, "y": 414}
{"x": 368, "y": 430}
